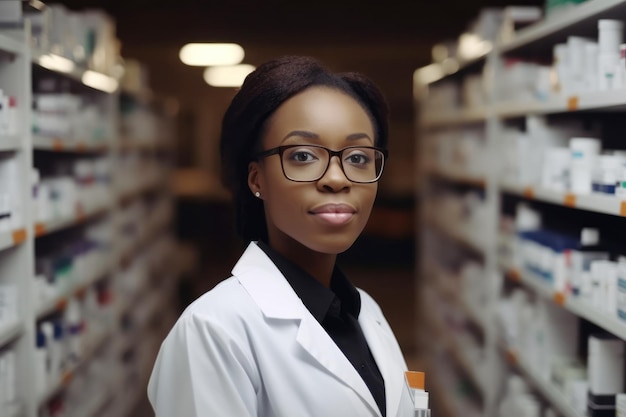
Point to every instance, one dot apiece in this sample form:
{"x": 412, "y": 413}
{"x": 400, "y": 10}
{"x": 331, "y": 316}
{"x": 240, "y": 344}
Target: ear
{"x": 254, "y": 177}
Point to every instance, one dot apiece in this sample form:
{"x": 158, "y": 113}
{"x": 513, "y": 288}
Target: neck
{"x": 319, "y": 265}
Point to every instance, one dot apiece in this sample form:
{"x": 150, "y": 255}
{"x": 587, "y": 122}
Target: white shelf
{"x": 454, "y": 118}
{"x": 69, "y": 69}
{"x": 58, "y": 303}
{"x": 9, "y": 143}
{"x": 90, "y": 350}
{"x": 599, "y": 100}
{"x": 545, "y": 388}
{"x": 574, "y": 305}
{"x": 595, "y": 202}
{"x": 61, "y": 145}
{"x": 10, "y": 332}
{"x": 44, "y": 228}
{"x": 12, "y": 239}
{"x": 580, "y": 20}
{"x": 10, "y": 45}
{"x": 453, "y": 233}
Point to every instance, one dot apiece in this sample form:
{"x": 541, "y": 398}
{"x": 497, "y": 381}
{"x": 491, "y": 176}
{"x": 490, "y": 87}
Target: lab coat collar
{"x": 276, "y": 299}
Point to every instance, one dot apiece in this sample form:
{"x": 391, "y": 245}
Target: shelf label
{"x": 19, "y": 236}
{"x": 528, "y": 192}
{"x": 514, "y": 275}
{"x": 569, "y": 200}
{"x": 57, "y": 144}
{"x": 80, "y": 213}
{"x": 511, "y": 357}
{"x": 80, "y": 292}
{"x": 61, "y": 304}
{"x": 40, "y": 229}
{"x": 67, "y": 378}
{"x": 622, "y": 209}
{"x": 572, "y": 103}
{"x": 559, "y": 298}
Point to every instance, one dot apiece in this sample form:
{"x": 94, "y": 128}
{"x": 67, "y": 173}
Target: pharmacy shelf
{"x": 581, "y": 20}
{"x": 141, "y": 188}
{"x": 9, "y": 143}
{"x": 12, "y": 239}
{"x": 612, "y": 100}
{"x": 10, "y": 332}
{"x": 98, "y": 403}
{"x": 457, "y": 177}
{"x": 453, "y": 118}
{"x": 10, "y": 45}
{"x": 80, "y": 216}
{"x": 454, "y": 234}
{"x": 547, "y": 390}
{"x": 574, "y": 305}
{"x": 595, "y": 202}
{"x": 89, "y": 351}
{"x": 60, "y": 302}
{"x": 66, "y": 68}
{"x": 60, "y": 145}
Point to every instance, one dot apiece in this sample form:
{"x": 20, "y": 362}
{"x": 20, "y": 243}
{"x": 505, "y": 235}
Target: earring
{"x": 257, "y": 194}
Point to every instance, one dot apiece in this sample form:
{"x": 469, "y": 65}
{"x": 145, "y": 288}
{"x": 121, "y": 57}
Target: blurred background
{"x": 118, "y": 159}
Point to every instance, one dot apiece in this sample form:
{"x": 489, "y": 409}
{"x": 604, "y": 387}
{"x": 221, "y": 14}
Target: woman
{"x": 287, "y": 334}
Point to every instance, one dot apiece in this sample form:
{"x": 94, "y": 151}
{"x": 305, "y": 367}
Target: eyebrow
{"x": 310, "y": 135}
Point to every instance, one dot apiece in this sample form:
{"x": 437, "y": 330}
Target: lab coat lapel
{"x": 382, "y": 347}
{"x": 275, "y": 297}
{"x": 319, "y": 345}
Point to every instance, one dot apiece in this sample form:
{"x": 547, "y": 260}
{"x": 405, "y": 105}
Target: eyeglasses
{"x": 308, "y": 163}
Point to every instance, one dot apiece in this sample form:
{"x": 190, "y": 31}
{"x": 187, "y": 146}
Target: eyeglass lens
{"x": 308, "y": 163}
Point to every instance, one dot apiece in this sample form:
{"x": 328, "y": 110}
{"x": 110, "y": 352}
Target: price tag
{"x": 57, "y": 145}
{"x": 40, "y": 229}
{"x": 528, "y": 192}
{"x": 511, "y": 357}
{"x": 559, "y": 298}
{"x": 569, "y": 200}
{"x": 572, "y": 103}
{"x": 514, "y": 275}
{"x": 622, "y": 209}
{"x": 19, "y": 236}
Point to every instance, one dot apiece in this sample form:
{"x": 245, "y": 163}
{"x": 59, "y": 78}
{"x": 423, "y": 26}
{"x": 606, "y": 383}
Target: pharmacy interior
{"x": 498, "y": 227}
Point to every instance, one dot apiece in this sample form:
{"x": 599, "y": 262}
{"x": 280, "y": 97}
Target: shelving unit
{"x": 545, "y": 388}
{"x": 452, "y": 246}
{"x": 152, "y": 251}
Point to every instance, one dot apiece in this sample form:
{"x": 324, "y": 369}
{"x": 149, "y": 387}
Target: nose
{"x": 334, "y": 179}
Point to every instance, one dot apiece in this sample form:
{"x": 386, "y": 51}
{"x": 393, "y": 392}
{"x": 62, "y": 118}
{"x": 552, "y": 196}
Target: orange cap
{"x": 415, "y": 379}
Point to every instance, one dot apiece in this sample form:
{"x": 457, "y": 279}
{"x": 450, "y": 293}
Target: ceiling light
{"x": 207, "y": 54}
{"x": 227, "y": 76}
{"x": 99, "y": 81}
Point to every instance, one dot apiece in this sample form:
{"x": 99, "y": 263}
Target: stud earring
{"x": 257, "y": 194}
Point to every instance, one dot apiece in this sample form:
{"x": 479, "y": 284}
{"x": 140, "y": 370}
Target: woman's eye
{"x": 357, "y": 159}
{"x": 303, "y": 156}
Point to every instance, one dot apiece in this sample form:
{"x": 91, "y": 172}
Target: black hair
{"x": 262, "y": 92}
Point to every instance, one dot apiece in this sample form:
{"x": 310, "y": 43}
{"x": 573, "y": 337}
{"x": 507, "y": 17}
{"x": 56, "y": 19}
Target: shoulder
{"x": 226, "y": 300}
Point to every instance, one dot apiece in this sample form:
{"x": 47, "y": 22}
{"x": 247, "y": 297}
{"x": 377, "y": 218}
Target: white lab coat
{"x": 250, "y": 347}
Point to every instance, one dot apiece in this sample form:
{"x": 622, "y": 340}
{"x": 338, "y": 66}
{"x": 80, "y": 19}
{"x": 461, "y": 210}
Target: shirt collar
{"x": 316, "y": 297}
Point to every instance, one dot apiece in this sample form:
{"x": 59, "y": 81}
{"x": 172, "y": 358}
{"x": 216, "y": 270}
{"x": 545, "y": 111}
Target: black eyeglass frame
{"x": 279, "y": 150}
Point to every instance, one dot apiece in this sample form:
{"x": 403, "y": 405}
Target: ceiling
{"x": 384, "y": 40}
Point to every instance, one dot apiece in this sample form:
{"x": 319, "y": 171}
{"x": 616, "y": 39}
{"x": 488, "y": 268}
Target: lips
{"x": 334, "y": 214}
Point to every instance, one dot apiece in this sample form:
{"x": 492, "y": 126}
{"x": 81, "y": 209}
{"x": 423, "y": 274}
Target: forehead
{"x": 324, "y": 111}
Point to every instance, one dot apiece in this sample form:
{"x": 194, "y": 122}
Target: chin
{"x": 332, "y": 245}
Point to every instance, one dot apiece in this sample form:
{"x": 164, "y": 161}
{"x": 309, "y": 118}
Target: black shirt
{"x": 337, "y": 309}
